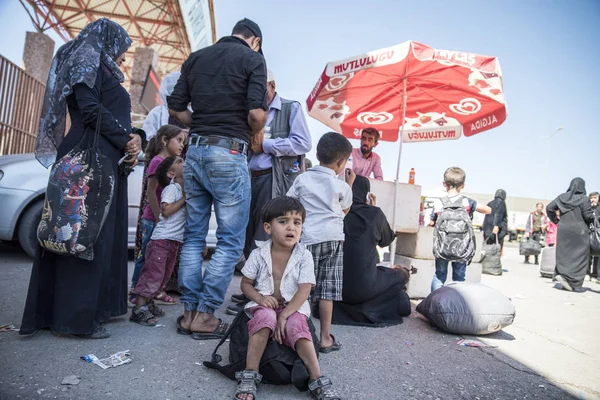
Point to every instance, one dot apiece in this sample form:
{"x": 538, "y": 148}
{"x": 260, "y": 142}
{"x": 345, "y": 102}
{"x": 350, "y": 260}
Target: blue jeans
{"x": 459, "y": 270}
{"x": 147, "y": 228}
{"x": 212, "y": 174}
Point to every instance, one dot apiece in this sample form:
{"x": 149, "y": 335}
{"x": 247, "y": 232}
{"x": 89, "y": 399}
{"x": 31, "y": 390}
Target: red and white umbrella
{"x": 410, "y": 92}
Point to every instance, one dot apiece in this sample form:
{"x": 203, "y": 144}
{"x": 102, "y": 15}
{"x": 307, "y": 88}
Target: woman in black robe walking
{"x": 496, "y": 223}
{"x": 372, "y": 295}
{"x": 572, "y": 212}
{"x": 70, "y": 295}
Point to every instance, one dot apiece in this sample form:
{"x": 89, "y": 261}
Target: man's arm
{"x": 297, "y": 143}
{"x": 377, "y": 172}
{"x": 257, "y": 94}
{"x": 180, "y": 98}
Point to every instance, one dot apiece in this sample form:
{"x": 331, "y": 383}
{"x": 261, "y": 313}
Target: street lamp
{"x": 560, "y": 128}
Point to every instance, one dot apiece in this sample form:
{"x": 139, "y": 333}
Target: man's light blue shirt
{"x": 298, "y": 142}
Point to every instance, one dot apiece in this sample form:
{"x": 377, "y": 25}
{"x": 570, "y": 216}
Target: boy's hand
{"x": 350, "y": 176}
{"x": 372, "y": 199}
{"x": 280, "y": 329}
{"x": 495, "y": 230}
{"x": 268, "y": 302}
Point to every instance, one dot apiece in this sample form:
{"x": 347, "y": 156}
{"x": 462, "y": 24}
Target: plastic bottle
{"x": 295, "y": 168}
{"x": 422, "y": 215}
{"x": 411, "y": 176}
{"x": 349, "y": 163}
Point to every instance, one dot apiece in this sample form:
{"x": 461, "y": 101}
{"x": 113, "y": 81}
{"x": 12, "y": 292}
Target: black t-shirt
{"x": 223, "y": 82}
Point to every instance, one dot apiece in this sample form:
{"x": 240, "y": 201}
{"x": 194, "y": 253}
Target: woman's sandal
{"x": 154, "y": 309}
{"x": 143, "y": 316}
{"x": 334, "y": 347}
{"x": 247, "y": 381}
{"x": 322, "y": 389}
{"x": 164, "y": 299}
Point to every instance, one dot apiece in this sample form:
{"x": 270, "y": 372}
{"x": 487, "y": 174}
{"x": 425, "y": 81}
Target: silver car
{"x": 23, "y": 182}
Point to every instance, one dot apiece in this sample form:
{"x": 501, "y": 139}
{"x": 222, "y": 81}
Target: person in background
{"x": 454, "y": 182}
{"x": 537, "y": 223}
{"x": 495, "y": 225}
{"x": 327, "y": 200}
{"x": 364, "y": 160}
{"x": 272, "y": 164}
{"x": 156, "y": 118}
{"x": 169, "y": 141}
{"x": 70, "y": 295}
{"x": 226, "y": 84}
{"x": 572, "y": 212}
{"x": 595, "y": 260}
{"x": 162, "y": 250}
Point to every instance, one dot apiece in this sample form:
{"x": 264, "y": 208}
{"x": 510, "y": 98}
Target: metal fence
{"x": 21, "y": 98}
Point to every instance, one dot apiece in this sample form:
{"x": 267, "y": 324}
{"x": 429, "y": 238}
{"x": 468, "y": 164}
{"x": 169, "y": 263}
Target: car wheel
{"x": 27, "y": 233}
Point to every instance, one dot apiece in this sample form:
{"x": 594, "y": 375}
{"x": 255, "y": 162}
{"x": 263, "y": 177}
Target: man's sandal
{"x": 322, "y": 389}
{"x": 247, "y": 381}
{"x": 217, "y": 333}
{"x": 143, "y": 316}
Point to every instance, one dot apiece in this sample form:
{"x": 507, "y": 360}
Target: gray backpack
{"x": 453, "y": 236}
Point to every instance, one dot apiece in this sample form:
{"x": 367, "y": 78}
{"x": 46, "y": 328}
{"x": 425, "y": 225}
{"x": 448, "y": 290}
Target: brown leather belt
{"x": 256, "y": 174}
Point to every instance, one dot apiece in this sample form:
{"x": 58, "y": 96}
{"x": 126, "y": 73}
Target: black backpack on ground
{"x": 453, "y": 235}
{"x": 280, "y": 365}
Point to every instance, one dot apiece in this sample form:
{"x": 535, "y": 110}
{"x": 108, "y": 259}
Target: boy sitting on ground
{"x": 278, "y": 277}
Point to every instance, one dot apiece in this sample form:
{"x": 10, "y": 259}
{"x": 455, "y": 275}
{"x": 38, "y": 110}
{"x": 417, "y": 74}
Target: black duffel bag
{"x": 529, "y": 247}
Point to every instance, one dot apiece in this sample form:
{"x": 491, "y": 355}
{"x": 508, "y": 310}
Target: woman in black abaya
{"x": 572, "y": 212}
{"x": 496, "y": 223}
{"x": 70, "y": 295}
{"x": 372, "y": 295}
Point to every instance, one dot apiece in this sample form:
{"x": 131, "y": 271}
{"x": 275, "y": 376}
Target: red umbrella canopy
{"x": 438, "y": 94}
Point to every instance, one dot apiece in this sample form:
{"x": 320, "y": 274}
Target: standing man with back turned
{"x": 227, "y": 86}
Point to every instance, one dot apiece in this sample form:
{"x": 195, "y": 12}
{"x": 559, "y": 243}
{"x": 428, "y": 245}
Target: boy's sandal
{"x": 247, "y": 381}
{"x": 164, "y": 299}
{"x": 143, "y": 316}
{"x": 334, "y": 347}
{"x": 156, "y": 310}
{"x": 217, "y": 333}
{"x": 181, "y": 330}
{"x": 322, "y": 389}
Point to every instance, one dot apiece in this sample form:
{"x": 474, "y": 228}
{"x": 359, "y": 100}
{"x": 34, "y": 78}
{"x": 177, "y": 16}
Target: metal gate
{"x": 21, "y": 98}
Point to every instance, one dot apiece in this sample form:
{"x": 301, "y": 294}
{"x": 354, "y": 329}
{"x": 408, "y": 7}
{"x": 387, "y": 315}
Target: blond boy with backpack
{"x": 453, "y": 236}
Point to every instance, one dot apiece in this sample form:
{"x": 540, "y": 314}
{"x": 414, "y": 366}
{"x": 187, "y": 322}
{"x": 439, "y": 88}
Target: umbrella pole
{"x": 393, "y": 244}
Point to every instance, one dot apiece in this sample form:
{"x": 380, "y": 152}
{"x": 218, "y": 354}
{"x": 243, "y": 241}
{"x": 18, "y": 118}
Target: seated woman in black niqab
{"x": 373, "y": 295}
{"x": 572, "y": 212}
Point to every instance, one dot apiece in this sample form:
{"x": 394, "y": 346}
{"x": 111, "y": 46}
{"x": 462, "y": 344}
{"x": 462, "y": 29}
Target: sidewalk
{"x": 409, "y": 361}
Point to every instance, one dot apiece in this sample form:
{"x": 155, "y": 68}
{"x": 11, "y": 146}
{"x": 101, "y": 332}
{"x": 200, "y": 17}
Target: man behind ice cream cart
{"x": 364, "y": 160}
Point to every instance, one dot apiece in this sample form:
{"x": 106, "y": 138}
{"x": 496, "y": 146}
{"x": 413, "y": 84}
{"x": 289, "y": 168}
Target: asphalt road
{"x": 551, "y": 352}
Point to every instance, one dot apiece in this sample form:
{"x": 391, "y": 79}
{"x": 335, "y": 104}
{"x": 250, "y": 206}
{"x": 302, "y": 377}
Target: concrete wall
{"x": 37, "y": 55}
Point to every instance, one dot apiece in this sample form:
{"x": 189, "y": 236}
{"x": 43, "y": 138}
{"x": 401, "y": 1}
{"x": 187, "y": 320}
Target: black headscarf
{"x": 361, "y": 215}
{"x": 77, "y": 61}
{"x": 498, "y": 215}
{"x": 573, "y": 198}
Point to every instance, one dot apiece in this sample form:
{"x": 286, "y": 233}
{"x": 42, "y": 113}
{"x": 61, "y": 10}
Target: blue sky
{"x": 547, "y": 50}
